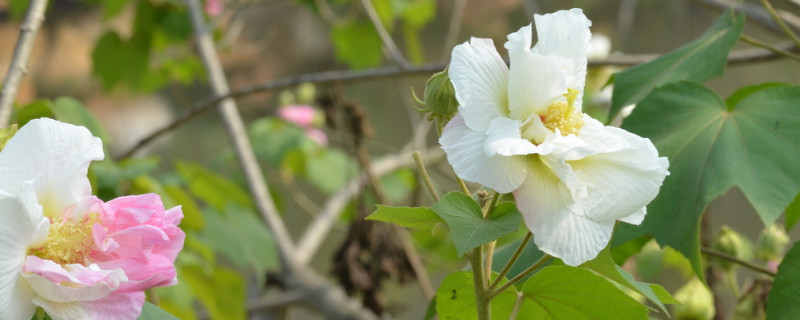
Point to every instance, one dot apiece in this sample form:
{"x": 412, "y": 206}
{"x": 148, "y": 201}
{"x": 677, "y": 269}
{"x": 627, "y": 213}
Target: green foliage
{"x": 272, "y": 139}
{"x": 714, "y": 145}
{"x": 409, "y": 217}
{"x": 329, "y": 169}
{"x": 152, "y": 312}
{"x": 699, "y": 60}
{"x": 42, "y": 108}
{"x": 784, "y": 294}
{"x": 793, "y": 213}
{"x": 213, "y": 189}
{"x": 530, "y": 254}
{"x": 6, "y": 134}
{"x": 17, "y": 8}
{"x": 221, "y": 291}
{"x": 468, "y": 227}
{"x": 604, "y": 265}
{"x": 357, "y": 44}
{"x": 72, "y": 111}
{"x": 455, "y": 299}
{"x": 563, "y": 292}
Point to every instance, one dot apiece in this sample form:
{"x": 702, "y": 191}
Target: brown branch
{"x": 746, "y": 264}
{"x": 736, "y": 57}
{"x": 19, "y": 63}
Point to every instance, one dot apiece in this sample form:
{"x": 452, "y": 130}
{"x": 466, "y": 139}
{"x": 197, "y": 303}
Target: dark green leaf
{"x": 713, "y": 147}
{"x": 455, "y": 299}
{"x": 34, "y": 110}
{"x": 152, "y": 312}
{"x": 116, "y": 61}
{"x": 528, "y": 257}
{"x": 564, "y": 292}
{"x": 793, "y": 213}
{"x": 785, "y": 292}
{"x": 468, "y": 228}
{"x": 409, "y": 217}
{"x": 214, "y": 189}
{"x": 699, "y": 60}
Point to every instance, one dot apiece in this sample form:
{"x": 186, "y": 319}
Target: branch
{"x": 386, "y": 38}
{"x": 736, "y": 57}
{"x": 19, "y": 63}
{"x": 754, "y": 13}
{"x": 454, "y": 28}
{"x": 749, "y": 265}
{"x": 318, "y": 230}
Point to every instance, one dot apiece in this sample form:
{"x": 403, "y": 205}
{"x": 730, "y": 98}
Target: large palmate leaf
{"x": 699, "y": 60}
{"x": 468, "y": 227}
{"x": 564, "y": 292}
{"x": 750, "y": 141}
{"x": 455, "y": 299}
{"x": 784, "y": 294}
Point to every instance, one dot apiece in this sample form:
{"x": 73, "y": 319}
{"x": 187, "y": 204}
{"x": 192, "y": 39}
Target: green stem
{"x": 774, "y": 50}
{"x": 780, "y": 22}
{"x": 425, "y": 177}
{"x": 512, "y": 260}
{"x": 463, "y": 186}
{"x": 482, "y": 293}
{"x": 491, "y": 245}
{"x": 520, "y": 276}
{"x": 749, "y": 265}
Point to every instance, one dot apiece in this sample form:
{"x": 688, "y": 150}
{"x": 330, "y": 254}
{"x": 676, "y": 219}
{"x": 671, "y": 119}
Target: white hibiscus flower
{"x": 522, "y": 131}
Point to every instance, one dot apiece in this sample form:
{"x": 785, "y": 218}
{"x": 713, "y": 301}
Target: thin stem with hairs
{"x": 521, "y": 275}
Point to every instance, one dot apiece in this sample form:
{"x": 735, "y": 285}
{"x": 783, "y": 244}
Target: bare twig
{"x": 19, "y": 63}
{"x": 746, "y": 264}
{"x": 736, "y": 57}
{"x": 754, "y": 13}
{"x": 385, "y": 36}
{"x": 317, "y": 231}
{"x": 454, "y": 28}
{"x": 781, "y": 23}
{"x": 236, "y": 132}
{"x": 769, "y": 47}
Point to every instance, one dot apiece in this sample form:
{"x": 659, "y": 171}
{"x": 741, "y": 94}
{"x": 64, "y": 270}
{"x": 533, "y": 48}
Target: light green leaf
{"x": 399, "y": 184}
{"x": 152, "y": 312}
{"x": 409, "y": 217}
{"x": 604, "y": 265}
{"x": 221, "y": 292}
{"x": 784, "y": 295}
{"x": 468, "y": 228}
{"x": 37, "y": 109}
{"x": 329, "y": 169}
{"x": 192, "y": 217}
{"x": 358, "y": 45}
{"x": 564, "y": 292}
{"x": 749, "y": 142}
{"x": 72, "y": 111}
{"x": 6, "y": 134}
{"x": 215, "y": 190}
{"x": 455, "y": 299}
{"x": 272, "y": 139}
{"x": 699, "y": 60}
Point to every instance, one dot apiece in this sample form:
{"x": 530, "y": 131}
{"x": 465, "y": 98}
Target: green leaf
{"x": 792, "y": 213}
{"x": 409, "y": 217}
{"x": 72, "y": 111}
{"x": 152, "y": 312}
{"x": 455, "y": 298}
{"x": 329, "y": 169}
{"x": 358, "y": 45}
{"x": 272, "y": 139}
{"x": 242, "y": 238}
{"x": 699, "y": 60}
{"x": 564, "y": 292}
{"x": 713, "y": 146}
{"x": 215, "y": 190}
{"x": 399, "y": 184}
{"x": 222, "y": 292}
{"x": 784, "y": 295}
{"x": 604, "y": 265}
{"x": 6, "y": 134}
{"x": 467, "y": 226}
{"x": 37, "y": 109}
{"x": 116, "y": 61}
{"x": 192, "y": 216}
{"x": 18, "y": 7}
{"x": 530, "y": 255}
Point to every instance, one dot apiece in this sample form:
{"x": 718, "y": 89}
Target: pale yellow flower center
{"x": 67, "y": 242}
{"x": 562, "y": 115}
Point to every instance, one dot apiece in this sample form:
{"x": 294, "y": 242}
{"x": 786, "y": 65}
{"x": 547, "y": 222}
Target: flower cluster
{"x": 63, "y": 249}
{"x": 521, "y": 130}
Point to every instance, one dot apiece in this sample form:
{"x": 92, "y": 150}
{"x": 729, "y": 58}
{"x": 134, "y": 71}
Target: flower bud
{"x": 286, "y": 98}
{"x": 306, "y": 93}
{"x": 697, "y": 302}
{"x": 732, "y": 243}
{"x": 771, "y": 243}
{"x": 439, "y": 98}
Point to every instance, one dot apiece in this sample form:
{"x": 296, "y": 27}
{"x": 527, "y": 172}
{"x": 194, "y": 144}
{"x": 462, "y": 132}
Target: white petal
{"x": 622, "y": 175}
{"x": 535, "y": 81}
{"x": 18, "y": 230}
{"x": 565, "y": 34}
{"x": 74, "y": 282}
{"x": 54, "y": 153}
{"x": 62, "y": 310}
{"x": 480, "y": 78}
{"x": 635, "y": 218}
{"x": 465, "y": 152}
{"x": 557, "y": 223}
{"x": 505, "y": 138}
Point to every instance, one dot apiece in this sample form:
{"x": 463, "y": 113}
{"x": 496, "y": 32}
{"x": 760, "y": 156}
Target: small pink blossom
{"x": 214, "y": 7}
{"x": 317, "y": 136}
{"x": 301, "y": 115}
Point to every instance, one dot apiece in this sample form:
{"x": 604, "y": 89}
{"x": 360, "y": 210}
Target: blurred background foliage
{"x": 124, "y": 68}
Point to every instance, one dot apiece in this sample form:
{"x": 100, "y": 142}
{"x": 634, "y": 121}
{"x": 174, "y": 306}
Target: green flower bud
{"x": 771, "y": 243}
{"x": 286, "y": 98}
{"x": 732, "y": 243}
{"x": 6, "y": 134}
{"x": 439, "y": 99}
{"x": 306, "y": 93}
{"x": 697, "y": 302}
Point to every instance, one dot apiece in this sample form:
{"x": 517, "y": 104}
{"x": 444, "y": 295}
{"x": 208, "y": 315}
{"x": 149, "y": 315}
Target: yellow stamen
{"x": 67, "y": 242}
{"x": 563, "y": 116}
